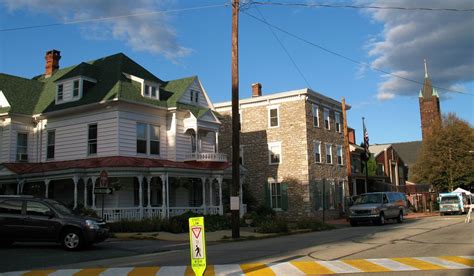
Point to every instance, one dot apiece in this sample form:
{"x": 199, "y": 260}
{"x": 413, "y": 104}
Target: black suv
{"x": 25, "y": 218}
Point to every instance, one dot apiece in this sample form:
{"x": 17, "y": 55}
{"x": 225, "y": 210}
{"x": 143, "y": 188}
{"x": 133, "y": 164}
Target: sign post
{"x": 197, "y": 245}
{"x": 103, "y": 183}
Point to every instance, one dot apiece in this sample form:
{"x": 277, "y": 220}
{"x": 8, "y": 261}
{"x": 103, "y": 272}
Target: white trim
{"x": 274, "y": 144}
{"x": 270, "y": 108}
{"x": 313, "y": 105}
{"x": 326, "y": 110}
{"x": 3, "y": 100}
{"x": 339, "y": 147}
{"x": 326, "y": 153}
{"x": 337, "y": 120}
{"x": 314, "y": 152}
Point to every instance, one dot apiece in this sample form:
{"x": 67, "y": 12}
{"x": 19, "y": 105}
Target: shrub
{"x": 144, "y": 225}
{"x": 274, "y": 225}
{"x": 84, "y": 211}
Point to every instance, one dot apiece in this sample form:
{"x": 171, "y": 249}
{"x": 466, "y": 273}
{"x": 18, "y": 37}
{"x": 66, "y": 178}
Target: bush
{"x": 313, "y": 224}
{"x": 274, "y": 225}
{"x": 83, "y": 211}
{"x": 259, "y": 215}
{"x": 144, "y": 225}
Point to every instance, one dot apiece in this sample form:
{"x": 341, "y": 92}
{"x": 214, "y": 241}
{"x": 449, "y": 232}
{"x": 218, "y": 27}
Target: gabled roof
{"x": 377, "y": 149}
{"x": 408, "y": 151}
{"x": 38, "y": 95}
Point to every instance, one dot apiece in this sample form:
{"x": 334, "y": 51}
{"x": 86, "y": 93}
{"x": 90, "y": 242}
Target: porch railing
{"x": 135, "y": 213}
{"x": 206, "y": 156}
{"x": 116, "y": 214}
{"x": 176, "y": 211}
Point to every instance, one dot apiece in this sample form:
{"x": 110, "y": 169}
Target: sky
{"x": 374, "y": 58}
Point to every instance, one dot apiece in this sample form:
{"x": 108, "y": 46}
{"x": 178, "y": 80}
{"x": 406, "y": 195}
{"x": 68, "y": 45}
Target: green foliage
{"x": 446, "y": 159}
{"x": 84, "y": 211}
{"x": 313, "y": 224}
{"x": 274, "y": 225}
{"x": 144, "y": 225}
{"x": 371, "y": 166}
{"x": 260, "y": 214}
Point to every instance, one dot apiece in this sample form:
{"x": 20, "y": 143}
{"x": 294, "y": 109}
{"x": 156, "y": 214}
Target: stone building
{"x": 292, "y": 148}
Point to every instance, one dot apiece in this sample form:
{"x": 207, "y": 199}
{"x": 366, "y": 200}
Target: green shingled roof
{"x": 38, "y": 95}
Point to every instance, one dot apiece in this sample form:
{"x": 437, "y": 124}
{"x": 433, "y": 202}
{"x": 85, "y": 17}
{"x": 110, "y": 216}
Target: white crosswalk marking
{"x": 171, "y": 270}
{"x": 232, "y": 269}
{"x": 392, "y": 265}
{"x": 284, "y": 269}
{"x": 65, "y": 272}
{"x": 339, "y": 267}
{"x": 116, "y": 271}
{"x": 445, "y": 263}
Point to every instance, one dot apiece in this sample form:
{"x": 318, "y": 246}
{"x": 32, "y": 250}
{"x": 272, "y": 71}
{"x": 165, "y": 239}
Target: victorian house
{"x": 157, "y": 140}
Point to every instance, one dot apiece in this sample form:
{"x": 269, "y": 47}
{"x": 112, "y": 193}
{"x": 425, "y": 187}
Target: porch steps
{"x": 284, "y": 268}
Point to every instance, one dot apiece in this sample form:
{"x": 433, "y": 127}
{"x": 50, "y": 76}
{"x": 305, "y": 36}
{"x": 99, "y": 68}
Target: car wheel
{"x": 381, "y": 220}
{"x": 400, "y": 217}
{"x": 72, "y": 239}
{"x": 354, "y": 223}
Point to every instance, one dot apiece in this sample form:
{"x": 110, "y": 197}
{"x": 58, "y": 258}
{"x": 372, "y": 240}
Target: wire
{"x": 110, "y": 18}
{"x": 362, "y": 7}
{"x": 348, "y": 58}
{"x": 283, "y": 46}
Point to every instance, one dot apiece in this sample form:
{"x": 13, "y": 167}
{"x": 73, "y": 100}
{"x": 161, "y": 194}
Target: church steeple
{"x": 429, "y": 106}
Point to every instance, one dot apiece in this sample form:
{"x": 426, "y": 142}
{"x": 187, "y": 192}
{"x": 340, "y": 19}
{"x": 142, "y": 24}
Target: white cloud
{"x": 445, "y": 39}
{"x": 151, "y": 33}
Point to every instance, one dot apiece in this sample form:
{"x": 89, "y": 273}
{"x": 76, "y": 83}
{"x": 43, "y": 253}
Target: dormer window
{"x": 151, "y": 91}
{"x": 75, "y": 89}
{"x": 60, "y": 92}
{"x": 194, "y": 96}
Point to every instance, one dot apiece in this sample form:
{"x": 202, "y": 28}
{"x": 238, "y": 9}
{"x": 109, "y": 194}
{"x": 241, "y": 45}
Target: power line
{"x": 347, "y": 58}
{"x": 283, "y": 46}
{"x": 110, "y": 18}
{"x": 308, "y": 5}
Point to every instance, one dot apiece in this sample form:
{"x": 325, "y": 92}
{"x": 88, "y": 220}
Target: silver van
{"x": 378, "y": 207}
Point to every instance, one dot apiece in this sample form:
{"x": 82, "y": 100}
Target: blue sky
{"x": 197, "y": 42}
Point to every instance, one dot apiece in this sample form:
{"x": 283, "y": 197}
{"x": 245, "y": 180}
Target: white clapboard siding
{"x": 183, "y": 140}
{"x": 31, "y": 147}
{"x": 186, "y": 98}
{"x": 171, "y": 136}
{"x": 72, "y": 136}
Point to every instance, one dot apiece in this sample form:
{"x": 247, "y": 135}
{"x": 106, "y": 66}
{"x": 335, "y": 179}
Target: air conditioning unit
{"x": 23, "y": 157}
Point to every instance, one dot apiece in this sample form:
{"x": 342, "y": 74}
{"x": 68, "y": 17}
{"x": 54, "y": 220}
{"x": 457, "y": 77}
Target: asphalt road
{"x": 431, "y": 236}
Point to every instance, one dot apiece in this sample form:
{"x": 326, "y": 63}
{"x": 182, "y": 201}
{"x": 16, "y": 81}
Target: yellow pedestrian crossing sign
{"x": 198, "y": 245}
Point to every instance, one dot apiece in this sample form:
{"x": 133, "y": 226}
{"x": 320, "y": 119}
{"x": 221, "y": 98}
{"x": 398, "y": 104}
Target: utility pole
{"x": 235, "y": 187}
{"x": 346, "y": 141}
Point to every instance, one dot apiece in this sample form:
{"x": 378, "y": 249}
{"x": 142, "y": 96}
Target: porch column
{"x": 210, "y": 191}
{"x": 163, "y": 196}
{"x": 148, "y": 180}
{"x": 76, "y": 180}
{"x": 46, "y": 186}
{"x": 203, "y": 180}
{"x": 85, "y": 180}
{"x": 217, "y": 142}
{"x": 197, "y": 141}
{"x": 167, "y": 195}
{"x": 94, "y": 178}
{"x": 140, "y": 194}
{"x": 221, "y": 208}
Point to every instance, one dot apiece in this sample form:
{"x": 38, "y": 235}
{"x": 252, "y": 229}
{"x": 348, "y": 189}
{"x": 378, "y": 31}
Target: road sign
{"x": 198, "y": 245}
{"x": 102, "y": 191}
{"x": 104, "y": 179}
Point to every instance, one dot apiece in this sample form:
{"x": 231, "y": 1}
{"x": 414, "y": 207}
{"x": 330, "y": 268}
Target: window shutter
{"x": 267, "y": 195}
{"x": 284, "y": 196}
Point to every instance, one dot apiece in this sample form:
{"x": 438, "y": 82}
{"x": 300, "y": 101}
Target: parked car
{"x": 25, "y": 218}
{"x": 378, "y": 207}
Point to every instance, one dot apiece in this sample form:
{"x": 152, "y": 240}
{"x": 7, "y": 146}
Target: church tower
{"x": 429, "y": 106}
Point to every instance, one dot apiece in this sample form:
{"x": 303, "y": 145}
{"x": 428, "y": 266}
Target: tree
{"x": 446, "y": 158}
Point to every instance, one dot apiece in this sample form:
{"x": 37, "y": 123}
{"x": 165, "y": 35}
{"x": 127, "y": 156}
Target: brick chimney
{"x": 256, "y": 89}
{"x": 351, "y": 134}
{"x": 52, "y": 62}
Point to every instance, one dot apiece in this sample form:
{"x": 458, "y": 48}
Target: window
{"x": 22, "y": 147}
{"x": 60, "y": 92}
{"x": 51, "y": 142}
{"x": 196, "y": 95}
{"x": 192, "y": 95}
{"x": 36, "y": 209}
{"x": 274, "y": 150}
{"x": 315, "y": 115}
{"x": 379, "y": 170}
{"x": 327, "y": 122}
{"x": 75, "y": 89}
{"x": 317, "y": 152}
{"x": 154, "y": 140}
{"x": 153, "y": 91}
{"x": 11, "y": 207}
{"x": 273, "y": 117}
{"x": 92, "y": 140}
{"x": 275, "y": 191}
{"x": 338, "y": 121}
{"x": 141, "y": 138}
{"x": 147, "y": 90}
{"x": 339, "y": 155}
{"x": 328, "y": 154}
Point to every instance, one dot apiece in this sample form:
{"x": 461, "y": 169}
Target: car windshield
{"x": 368, "y": 198}
{"x": 61, "y": 208}
{"x": 449, "y": 199}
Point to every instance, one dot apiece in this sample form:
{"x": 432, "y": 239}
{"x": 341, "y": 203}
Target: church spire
{"x": 426, "y": 70}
